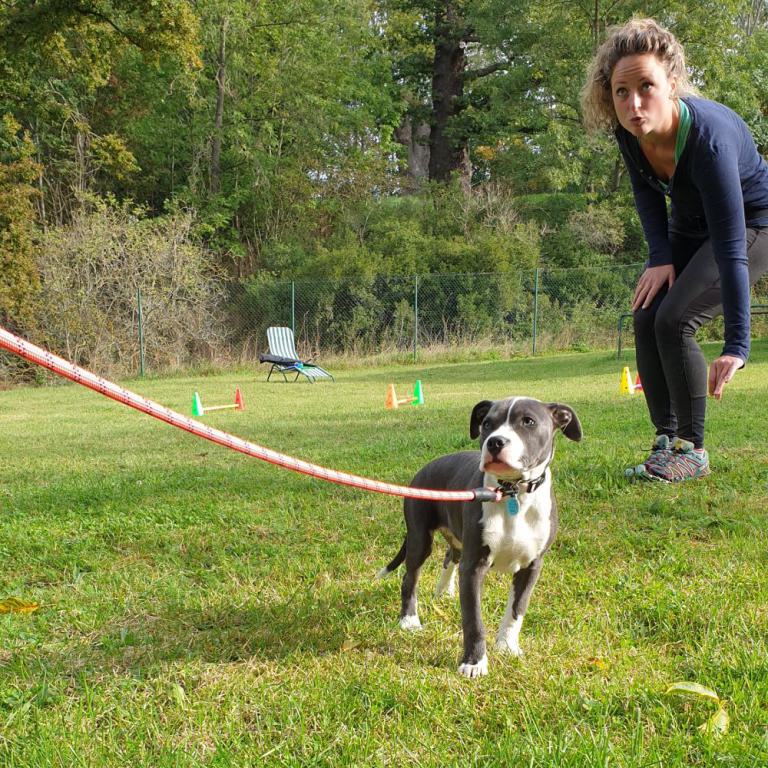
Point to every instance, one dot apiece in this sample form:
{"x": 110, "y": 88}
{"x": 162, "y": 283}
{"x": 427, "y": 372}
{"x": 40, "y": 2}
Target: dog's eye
{"x": 528, "y": 421}
{"x": 486, "y": 424}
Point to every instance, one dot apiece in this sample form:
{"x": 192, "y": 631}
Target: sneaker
{"x": 687, "y": 462}
{"x": 684, "y": 463}
{"x": 654, "y": 466}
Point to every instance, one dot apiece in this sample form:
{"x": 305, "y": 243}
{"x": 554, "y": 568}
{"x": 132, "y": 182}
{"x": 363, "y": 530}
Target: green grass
{"x": 200, "y": 608}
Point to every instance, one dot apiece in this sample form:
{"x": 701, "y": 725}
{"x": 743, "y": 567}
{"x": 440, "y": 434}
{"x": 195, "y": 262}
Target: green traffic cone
{"x": 197, "y": 405}
{"x": 418, "y": 394}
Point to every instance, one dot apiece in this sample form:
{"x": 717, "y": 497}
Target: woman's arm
{"x": 720, "y": 188}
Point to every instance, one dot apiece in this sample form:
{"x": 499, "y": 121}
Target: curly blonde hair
{"x": 637, "y": 36}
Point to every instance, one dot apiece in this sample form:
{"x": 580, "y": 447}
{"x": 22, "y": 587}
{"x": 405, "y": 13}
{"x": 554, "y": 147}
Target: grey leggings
{"x": 670, "y": 362}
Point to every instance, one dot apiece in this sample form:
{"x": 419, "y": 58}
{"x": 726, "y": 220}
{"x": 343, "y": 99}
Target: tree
{"x": 58, "y": 61}
{"x": 440, "y": 51}
{"x": 19, "y": 279}
{"x": 292, "y": 120}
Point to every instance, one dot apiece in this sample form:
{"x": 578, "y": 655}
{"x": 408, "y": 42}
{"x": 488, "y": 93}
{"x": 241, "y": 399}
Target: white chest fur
{"x": 516, "y": 540}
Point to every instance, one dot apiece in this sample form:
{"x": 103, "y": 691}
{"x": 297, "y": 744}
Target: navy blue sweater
{"x": 718, "y": 189}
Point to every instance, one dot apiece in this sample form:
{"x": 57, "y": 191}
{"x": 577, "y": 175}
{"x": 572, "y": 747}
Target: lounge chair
{"x": 284, "y": 359}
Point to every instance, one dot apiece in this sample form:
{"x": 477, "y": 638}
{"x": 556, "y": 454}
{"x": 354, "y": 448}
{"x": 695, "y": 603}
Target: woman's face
{"x": 643, "y": 96}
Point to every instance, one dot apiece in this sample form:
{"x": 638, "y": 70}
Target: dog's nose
{"x": 496, "y": 444}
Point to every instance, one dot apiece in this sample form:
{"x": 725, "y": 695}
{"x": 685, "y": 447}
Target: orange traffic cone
{"x": 239, "y": 404}
{"x": 392, "y": 397}
{"x": 638, "y": 384}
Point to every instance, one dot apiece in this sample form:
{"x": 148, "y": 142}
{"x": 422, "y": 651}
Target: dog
{"x": 517, "y": 438}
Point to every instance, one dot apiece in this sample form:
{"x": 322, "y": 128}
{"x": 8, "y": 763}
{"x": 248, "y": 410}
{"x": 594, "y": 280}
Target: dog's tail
{"x": 394, "y": 565}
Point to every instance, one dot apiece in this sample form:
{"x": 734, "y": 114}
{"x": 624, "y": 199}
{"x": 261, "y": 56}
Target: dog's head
{"x": 517, "y": 435}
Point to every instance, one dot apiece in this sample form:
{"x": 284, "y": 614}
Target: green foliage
{"x": 276, "y": 122}
{"x": 59, "y": 77}
{"x": 19, "y": 279}
{"x": 443, "y": 230}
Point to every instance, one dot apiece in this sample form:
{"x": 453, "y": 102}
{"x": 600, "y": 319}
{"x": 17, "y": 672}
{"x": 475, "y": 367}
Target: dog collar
{"x": 528, "y": 486}
{"x": 510, "y": 491}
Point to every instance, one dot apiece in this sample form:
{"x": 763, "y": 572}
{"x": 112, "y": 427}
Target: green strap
{"x": 683, "y": 129}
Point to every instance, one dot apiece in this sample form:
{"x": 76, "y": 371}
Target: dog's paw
{"x": 474, "y": 670}
{"x": 383, "y": 573}
{"x": 509, "y": 647}
{"x": 410, "y": 622}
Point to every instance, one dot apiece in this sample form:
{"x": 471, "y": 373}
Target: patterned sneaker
{"x": 684, "y": 463}
{"x": 654, "y": 466}
{"x": 687, "y": 462}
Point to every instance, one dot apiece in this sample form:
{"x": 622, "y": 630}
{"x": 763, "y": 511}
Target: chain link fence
{"x": 515, "y": 313}
{"x": 377, "y": 319}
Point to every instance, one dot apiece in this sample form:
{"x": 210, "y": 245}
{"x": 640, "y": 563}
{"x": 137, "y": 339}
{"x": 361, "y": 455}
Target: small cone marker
{"x": 392, "y": 397}
{"x": 418, "y": 393}
{"x": 626, "y": 387}
{"x": 198, "y": 410}
{"x": 638, "y": 384}
{"x": 393, "y": 401}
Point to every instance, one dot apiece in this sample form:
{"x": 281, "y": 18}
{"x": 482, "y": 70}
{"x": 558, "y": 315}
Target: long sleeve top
{"x": 718, "y": 189}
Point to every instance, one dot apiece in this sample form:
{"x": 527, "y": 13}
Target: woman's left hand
{"x": 721, "y": 372}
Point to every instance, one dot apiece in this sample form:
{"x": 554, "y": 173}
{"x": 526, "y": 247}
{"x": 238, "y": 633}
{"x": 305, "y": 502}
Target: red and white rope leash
{"x": 58, "y": 365}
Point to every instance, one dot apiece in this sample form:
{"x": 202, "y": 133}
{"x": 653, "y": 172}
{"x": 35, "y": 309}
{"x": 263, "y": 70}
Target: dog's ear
{"x": 479, "y": 412}
{"x": 566, "y": 420}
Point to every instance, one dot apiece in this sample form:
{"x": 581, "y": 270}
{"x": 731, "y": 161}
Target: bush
{"x": 92, "y": 271}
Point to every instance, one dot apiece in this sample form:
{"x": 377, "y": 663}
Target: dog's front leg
{"x": 508, "y": 638}
{"x": 474, "y": 661}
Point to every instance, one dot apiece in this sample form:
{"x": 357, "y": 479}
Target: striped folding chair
{"x": 284, "y": 359}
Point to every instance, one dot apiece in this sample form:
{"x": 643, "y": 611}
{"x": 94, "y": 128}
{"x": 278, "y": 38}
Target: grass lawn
{"x": 200, "y": 608}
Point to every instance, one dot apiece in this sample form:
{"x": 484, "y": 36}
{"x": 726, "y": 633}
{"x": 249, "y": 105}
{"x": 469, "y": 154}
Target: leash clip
{"x": 507, "y": 489}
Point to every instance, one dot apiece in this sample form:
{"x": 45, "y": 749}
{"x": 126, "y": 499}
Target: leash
{"x": 67, "y": 370}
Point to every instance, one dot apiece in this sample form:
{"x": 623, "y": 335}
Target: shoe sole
{"x": 640, "y": 472}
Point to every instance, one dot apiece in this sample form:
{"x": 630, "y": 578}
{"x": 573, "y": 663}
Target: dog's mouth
{"x": 501, "y": 469}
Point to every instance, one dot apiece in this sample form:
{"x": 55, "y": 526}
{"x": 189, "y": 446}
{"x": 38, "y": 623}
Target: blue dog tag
{"x": 512, "y": 506}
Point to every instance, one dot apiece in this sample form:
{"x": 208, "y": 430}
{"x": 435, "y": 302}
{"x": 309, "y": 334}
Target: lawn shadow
{"x": 310, "y": 622}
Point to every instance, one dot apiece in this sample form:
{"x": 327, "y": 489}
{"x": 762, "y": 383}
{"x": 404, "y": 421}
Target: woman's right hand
{"x": 649, "y": 284}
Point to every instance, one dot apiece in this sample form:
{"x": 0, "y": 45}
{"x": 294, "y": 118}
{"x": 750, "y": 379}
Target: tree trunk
{"x": 416, "y": 141}
{"x": 448, "y": 152}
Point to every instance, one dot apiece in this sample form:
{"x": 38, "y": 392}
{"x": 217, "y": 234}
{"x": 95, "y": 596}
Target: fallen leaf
{"x": 14, "y": 605}
{"x": 717, "y": 725}
{"x": 695, "y": 689}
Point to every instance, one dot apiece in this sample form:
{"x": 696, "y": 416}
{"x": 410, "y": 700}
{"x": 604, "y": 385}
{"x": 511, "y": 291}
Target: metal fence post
{"x": 415, "y": 316}
{"x": 141, "y": 332}
{"x": 293, "y": 307}
{"x": 535, "y": 307}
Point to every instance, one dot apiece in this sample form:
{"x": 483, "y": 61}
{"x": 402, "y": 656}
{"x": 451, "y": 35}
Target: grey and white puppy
{"x": 516, "y": 448}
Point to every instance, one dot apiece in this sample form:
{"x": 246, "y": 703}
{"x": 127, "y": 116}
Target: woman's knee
{"x": 644, "y": 321}
{"x": 670, "y": 322}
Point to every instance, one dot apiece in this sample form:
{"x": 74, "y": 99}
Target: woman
{"x": 704, "y": 255}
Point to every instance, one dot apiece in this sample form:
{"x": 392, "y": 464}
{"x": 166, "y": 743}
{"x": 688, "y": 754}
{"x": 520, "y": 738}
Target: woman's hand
{"x": 721, "y": 372}
{"x": 649, "y": 284}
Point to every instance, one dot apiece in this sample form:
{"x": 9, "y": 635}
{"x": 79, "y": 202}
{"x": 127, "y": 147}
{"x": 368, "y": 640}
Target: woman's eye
{"x": 646, "y": 86}
{"x": 621, "y": 92}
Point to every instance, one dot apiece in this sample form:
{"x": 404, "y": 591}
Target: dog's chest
{"x": 516, "y": 540}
